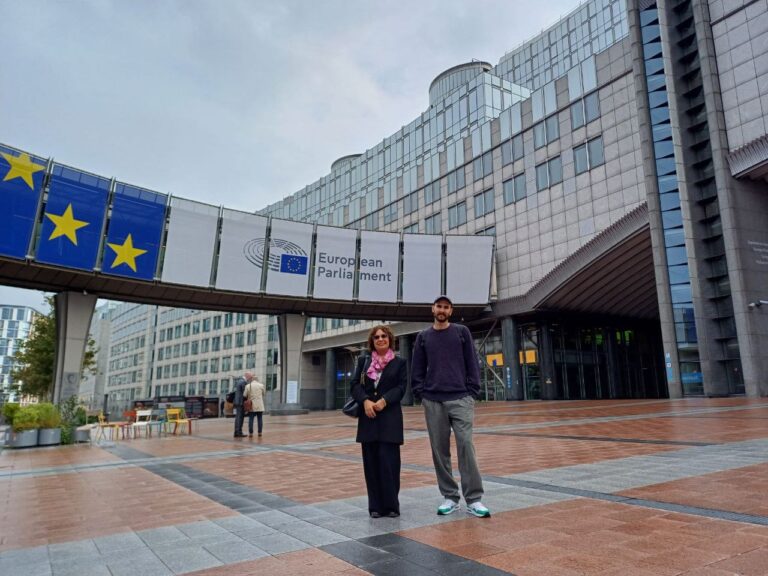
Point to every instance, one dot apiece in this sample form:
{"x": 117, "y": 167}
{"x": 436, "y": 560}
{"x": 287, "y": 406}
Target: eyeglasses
{"x": 380, "y": 337}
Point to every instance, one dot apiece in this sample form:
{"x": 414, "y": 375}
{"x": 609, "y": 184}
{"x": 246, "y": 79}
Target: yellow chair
{"x": 175, "y": 417}
{"x": 113, "y": 427}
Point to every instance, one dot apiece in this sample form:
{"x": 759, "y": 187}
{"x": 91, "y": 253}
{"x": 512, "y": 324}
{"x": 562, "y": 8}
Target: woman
{"x": 378, "y": 384}
{"x": 254, "y": 392}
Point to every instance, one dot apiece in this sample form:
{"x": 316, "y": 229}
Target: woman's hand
{"x": 380, "y": 405}
{"x": 369, "y": 408}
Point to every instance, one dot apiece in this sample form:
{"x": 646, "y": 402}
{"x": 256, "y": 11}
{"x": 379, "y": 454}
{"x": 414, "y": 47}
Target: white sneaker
{"x": 447, "y": 507}
{"x": 479, "y": 510}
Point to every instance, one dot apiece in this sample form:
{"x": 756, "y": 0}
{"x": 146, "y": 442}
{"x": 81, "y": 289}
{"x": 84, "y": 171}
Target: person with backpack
{"x": 240, "y": 384}
{"x": 378, "y": 385}
{"x": 254, "y": 404}
{"x": 445, "y": 376}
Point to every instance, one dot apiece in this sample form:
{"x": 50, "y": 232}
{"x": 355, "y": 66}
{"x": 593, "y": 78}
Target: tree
{"x": 36, "y": 357}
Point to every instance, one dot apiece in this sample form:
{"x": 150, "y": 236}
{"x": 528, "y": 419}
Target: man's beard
{"x": 438, "y": 317}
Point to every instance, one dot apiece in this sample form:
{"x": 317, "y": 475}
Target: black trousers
{"x": 381, "y": 463}
{"x": 239, "y": 417}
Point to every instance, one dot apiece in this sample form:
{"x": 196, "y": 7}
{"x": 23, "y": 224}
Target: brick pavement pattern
{"x": 603, "y": 488}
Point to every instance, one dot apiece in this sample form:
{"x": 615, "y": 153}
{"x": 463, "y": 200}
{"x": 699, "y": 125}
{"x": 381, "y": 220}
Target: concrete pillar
{"x": 330, "y": 379}
{"x": 73, "y": 320}
{"x": 513, "y": 384}
{"x": 404, "y": 345}
{"x": 291, "y": 331}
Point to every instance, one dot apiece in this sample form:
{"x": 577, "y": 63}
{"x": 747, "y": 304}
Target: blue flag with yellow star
{"x": 73, "y": 219}
{"x": 134, "y": 234}
{"x": 21, "y": 180}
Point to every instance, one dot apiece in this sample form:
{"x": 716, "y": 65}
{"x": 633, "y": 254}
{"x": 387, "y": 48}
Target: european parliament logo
{"x": 284, "y": 256}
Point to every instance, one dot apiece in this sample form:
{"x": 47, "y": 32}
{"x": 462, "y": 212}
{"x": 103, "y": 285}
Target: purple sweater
{"x": 444, "y": 367}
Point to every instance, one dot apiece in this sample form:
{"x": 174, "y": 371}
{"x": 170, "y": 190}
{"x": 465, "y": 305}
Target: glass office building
{"x": 15, "y": 326}
{"x": 619, "y": 159}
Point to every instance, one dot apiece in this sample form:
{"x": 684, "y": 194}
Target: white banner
{"x": 335, "y": 263}
{"x": 189, "y": 247}
{"x": 379, "y": 259}
{"x": 422, "y": 267}
{"x": 290, "y": 248}
{"x": 468, "y": 268}
{"x": 241, "y": 251}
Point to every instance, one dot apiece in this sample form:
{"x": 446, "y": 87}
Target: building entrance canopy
{"x": 65, "y": 230}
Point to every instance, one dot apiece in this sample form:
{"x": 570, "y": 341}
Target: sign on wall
{"x": 241, "y": 251}
{"x": 379, "y": 259}
{"x": 335, "y": 263}
{"x": 290, "y": 249}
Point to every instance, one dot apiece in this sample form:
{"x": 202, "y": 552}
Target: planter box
{"x": 49, "y": 436}
{"x": 82, "y": 435}
{"x": 25, "y": 439}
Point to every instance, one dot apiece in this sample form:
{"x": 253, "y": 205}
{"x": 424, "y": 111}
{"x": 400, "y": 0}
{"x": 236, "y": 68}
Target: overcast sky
{"x": 233, "y": 102}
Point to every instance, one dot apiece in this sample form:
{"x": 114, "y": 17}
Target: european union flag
{"x": 73, "y": 219}
{"x": 293, "y": 264}
{"x": 135, "y": 228}
{"x": 21, "y": 180}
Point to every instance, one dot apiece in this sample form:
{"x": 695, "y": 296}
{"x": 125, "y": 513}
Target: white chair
{"x": 142, "y": 423}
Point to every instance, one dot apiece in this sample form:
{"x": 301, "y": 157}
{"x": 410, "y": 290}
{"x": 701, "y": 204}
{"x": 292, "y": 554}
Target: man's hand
{"x": 369, "y": 408}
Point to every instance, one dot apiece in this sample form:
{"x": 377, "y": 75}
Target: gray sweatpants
{"x": 457, "y": 415}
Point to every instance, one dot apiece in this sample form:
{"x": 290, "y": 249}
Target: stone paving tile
{"x": 181, "y": 558}
{"x": 54, "y": 457}
{"x": 739, "y": 490}
{"x": 311, "y": 562}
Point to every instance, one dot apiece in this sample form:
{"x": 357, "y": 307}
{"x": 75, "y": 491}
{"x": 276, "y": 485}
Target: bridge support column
{"x": 73, "y": 321}
{"x": 330, "y": 379}
{"x": 291, "y": 330}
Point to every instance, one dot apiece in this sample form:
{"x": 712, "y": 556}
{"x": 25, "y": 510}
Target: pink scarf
{"x": 378, "y": 363}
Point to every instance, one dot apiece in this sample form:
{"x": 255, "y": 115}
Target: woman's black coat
{"x": 388, "y": 424}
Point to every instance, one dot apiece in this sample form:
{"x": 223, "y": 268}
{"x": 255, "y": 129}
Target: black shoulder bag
{"x": 351, "y": 408}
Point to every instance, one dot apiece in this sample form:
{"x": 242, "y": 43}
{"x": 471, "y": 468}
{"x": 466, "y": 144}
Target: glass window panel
{"x": 520, "y": 191}
{"x": 552, "y": 128}
{"x": 555, "y": 171}
{"x": 669, "y": 201}
{"x": 542, "y": 178}
{"x": 665, "y": 166}
{"x": 659, "y": 115}
{"x": 517, "y": 147}
{"x": 649, "y": 17}
{"x": 663, "y": 149}
{"x": 679, "y": 274}
{"x": 667, "y": 183}
{"x": 539, "y": 135}
{"x": 508, "y": 188}
{"x": 580, "y": 159}
{"x": 662, "y": 132}
{"x": 659, "y": 98}
{"x": 674, "y": 237}
{"x": 676, "y": 255}
{"x": 656, "y": 82}
{"x": 651, "y": 33}
{"x": 680, "y": 293}
{"x": 683, "y": 313}
{"x": 671, "y": 219}
{"x": 577, "y": 115}
{"x": 651, "y": 50}
{"x": 596, "y": 157}
{"x": 591, "y": 107}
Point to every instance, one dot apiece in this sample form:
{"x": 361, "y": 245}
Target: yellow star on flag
{"x": 126, "y": 253}
{"x": 66, "y": 225}
{"x": 21, "y": 167}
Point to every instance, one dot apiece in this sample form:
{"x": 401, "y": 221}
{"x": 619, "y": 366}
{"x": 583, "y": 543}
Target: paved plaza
{"x": 622, "y": 487}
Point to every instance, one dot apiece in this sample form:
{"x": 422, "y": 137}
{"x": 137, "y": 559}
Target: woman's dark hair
{"x": 387, "y": 330}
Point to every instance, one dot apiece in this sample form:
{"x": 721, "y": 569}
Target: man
{"x": 238, "y": 404}
{"x": 445, "y": 376}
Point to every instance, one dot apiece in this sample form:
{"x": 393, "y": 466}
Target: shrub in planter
{"x": 72, "y": 416}
{"x": 49, "y": 422}
{"x": 24, "y": 427}
{"x": 9, "y": 410}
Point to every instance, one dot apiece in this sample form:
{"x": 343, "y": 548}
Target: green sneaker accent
{"x": 477, "y": 509}
{"x": 447, "y": 507}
